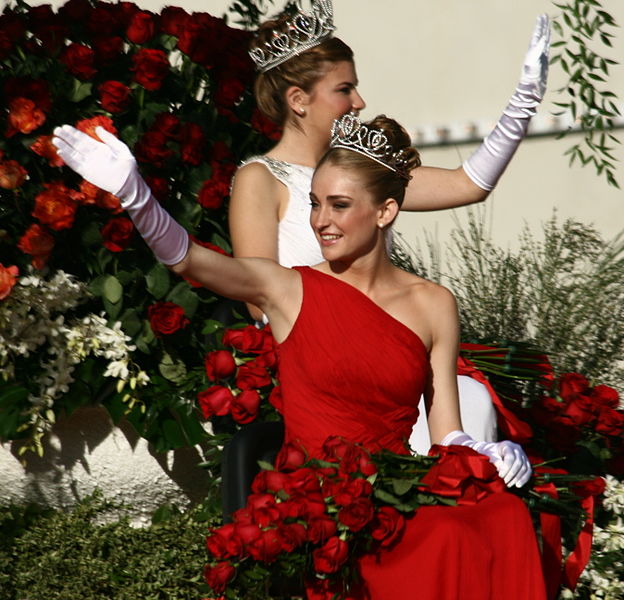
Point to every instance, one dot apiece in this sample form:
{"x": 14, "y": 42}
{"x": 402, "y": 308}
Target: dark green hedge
{"x": 54, "y": 555}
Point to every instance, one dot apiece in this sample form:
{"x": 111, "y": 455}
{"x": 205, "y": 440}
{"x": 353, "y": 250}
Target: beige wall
{"x": 440, "y": 63}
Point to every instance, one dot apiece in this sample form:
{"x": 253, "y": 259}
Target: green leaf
{"x": 172, "y": 369}
{"x": 211, "y": 326}
{"x": 184, "y": 295}
{"x": 401, "y": 486}
{"x": 158, "y": 281}
{"x": 80, "y": 91}
{"x": 111, "y": 289}
{"x": 386, "y": 497}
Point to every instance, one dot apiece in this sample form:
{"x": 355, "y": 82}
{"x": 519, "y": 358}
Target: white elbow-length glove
{"x": 509, "y": 458}
{"x": 109, "y": 165}
{"x": 490, "y": 159}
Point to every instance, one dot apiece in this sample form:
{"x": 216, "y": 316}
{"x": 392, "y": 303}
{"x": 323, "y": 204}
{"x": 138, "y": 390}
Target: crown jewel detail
{"x": 305, "y": 30}
{"x": 350, "y": 133}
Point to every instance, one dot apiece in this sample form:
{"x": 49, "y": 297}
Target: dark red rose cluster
{"x": 248, "y": 368}
{"x": 308, "y": 506}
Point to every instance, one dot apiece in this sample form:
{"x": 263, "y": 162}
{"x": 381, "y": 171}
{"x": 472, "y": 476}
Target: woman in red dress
{"x": 359, "y": 341}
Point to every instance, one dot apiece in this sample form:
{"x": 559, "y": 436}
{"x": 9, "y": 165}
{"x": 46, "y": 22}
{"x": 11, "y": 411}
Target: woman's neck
{"x": 298, "y": 147}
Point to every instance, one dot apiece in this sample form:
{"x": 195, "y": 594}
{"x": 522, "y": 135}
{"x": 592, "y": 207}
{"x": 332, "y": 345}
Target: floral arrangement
{"x": 175, "y": 87}
{"x": 310, "y": 519}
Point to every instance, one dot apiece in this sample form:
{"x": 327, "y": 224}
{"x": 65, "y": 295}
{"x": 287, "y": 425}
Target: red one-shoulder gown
{"x": 348, "y": 368}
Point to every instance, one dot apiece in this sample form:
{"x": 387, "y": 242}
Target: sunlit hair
{"x": 302, "y": 71}
{"x": 381, "y": 181}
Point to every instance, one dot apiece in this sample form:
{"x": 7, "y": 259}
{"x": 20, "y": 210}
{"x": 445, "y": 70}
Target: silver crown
{"x": 305, "y": 30}
{"x": 350, "y": 133}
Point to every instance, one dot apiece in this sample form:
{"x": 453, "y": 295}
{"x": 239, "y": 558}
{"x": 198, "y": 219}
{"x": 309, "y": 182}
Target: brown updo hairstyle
{"x": 302, "y": 70}
{"x": 382, "y": 182}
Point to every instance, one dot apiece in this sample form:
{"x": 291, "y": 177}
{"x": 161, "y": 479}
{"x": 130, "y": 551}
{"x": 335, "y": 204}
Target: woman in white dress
{"x": 306, "y": 80}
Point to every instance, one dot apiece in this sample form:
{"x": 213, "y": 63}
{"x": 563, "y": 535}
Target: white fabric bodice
{"x": 296, "y": 244}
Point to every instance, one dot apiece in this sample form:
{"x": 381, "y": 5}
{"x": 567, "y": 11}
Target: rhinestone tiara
{"x": 305, "y": 30}
{"x": 350, "y": 133}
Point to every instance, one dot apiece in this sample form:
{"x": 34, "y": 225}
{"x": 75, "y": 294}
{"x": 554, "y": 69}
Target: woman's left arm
{"x": 433, "y": 189}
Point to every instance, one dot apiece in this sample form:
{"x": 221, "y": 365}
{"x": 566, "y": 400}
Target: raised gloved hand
{"x": 109, "y": 165}
{"x": 509, "y": 458}
{"x": 490, "y": 159}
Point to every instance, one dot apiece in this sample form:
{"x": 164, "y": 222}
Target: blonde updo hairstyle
{"x": 381, "y": 181}
{"x": 302, "y": 70}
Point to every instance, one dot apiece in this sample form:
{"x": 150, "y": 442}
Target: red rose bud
{"x": 56, "y": 206}
{"x": 605, "y": 395}
{"x": 8, "y": 278}
{"x": 114, "y": 96}
{"x": 249, "y": 339}
{"x": 24, "y": 116}
{"x": 192, "y": 143}
{"x": 79, "y": 60}
{"x": 215, "y": 401}
{"x": 357, "y": 515}
{"x": 572, "y": 383}
{"x": 610, "y": 422}
{"x": 38, "y": 243}
{"x": 142, "y": 27}
{"x": 275, "y": 398}
{"x": 267, "y": 547}
{"x": 107, "y": 49}
{"x": 331, "y": 556}
{"x": 321, "y": 529}
{"x": 150, "y": 68}
{"x": 219, "y": 576}
{"x": 167, "y": 124}
{"x": 224, "y": 542}
{"x": 166, "y": 318}
{"x": 270, "y": 481}
{"x": 291, "y": 456}
{"x": 219, "y": 364}
{"x": 12, "y": 174}
{"x": 387, "y": 526}
{"x": 245, "y": 406}
{"x": 250, "y": 376}
{"x": 292, "y": 535}
{"x": 173, "y": 19}
{"x": 44, "y": 147}
{"x": 117, "y": 234}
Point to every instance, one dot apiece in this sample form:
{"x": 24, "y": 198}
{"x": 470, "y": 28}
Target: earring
{"x": 302, "y": 112}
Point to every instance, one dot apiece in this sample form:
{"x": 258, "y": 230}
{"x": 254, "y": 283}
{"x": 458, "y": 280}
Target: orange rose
{"x": 43, "y": 146}
{"x": 8, "y": 278}
{"x": 12, "y": 174}
{"x": 24, "y": 116}
{"x": 91, "y": 194}
{"x": 56, "y": 206}
{"x": 38, "y": 243}
{"x": 88, "y": 126}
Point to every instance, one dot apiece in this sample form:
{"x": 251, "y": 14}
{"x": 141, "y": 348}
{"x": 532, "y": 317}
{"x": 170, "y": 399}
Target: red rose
{"x": 320, "y": 529}
{"x": 114, "y": 96}
{"x": 44, "y": 147}
{"x": 197, "y": 39}
{"x": 91, "y": 194}
{"x": 571, "y": 384}
{"x": 117, "y": 234}
{"x": 229, "y": 92}
{"x": 107, "y": 49}
{"x": 213, "y": 193}
{"x": 79, "y": 60}
{"x": 173, "y": 19}
{"x": 75, "y": 10}
{"x": 264, "y": 509}
{"x": 219, "y": 364}
{"x": 192, "y": 143}
{"x": 38, "y": 243}
{"x": 610, "y": 422}
{"x": 387, "y": 526}
{"x": 215, "y": 400}
{"x": 224, "y": 542}
{"x": 36, "y": 90}
{"x": 304, "y": 481}
{"x": 23, "y": 116}
{"x": 220, "y": 152}
{"x": 291, "y": 456}
{"x": 89, "y": 126}
{"x": 150, "y": 68}
{"x": 159, "y": 187}
{"x": 303, "y": 506}
{"x": 357, "y": 460}
{"x": 605, "y": 395}
{"x": 580, "y": 410}
{"x": 350, "y": 490}
{"x": 331, "y": 556}
{"x": 292, "y": 535}
{"x": 152, "y": 149}
{"x": 245, "y": 406}
{"x": 264, "y": 126}
{"x": 249, "y": 339}
{"x": 267, "y": 547}
{"x": 269, "y": 481}
{"x": 250, "y": 376}
{"x": 12, "y": 174}
{"x": 591, "y": 487}
{"x": 247, "y": 533}
{"x": 219, "y": 576}
{"x": 166, "y": 318}
{"x": 56, "y": 206}
{"x": 357, "y": 515}
{"x": 142, "y": 27}
{"x": 8, "y": 278}
{"x": 167, "y": 124}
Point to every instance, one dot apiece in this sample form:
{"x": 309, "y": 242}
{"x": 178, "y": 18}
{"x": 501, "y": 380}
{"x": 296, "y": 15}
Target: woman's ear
{"x": 387, "y": 213}
{"x": 296, "y": 99}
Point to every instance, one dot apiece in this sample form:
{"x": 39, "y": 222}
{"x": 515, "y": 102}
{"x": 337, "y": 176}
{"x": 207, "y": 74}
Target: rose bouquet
{"x": 175, "y": 87}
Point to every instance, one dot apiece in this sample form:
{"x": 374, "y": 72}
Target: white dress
{"x": 297, "y": 246}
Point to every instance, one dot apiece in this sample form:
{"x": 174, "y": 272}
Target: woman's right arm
{"x": 254, "y": 214}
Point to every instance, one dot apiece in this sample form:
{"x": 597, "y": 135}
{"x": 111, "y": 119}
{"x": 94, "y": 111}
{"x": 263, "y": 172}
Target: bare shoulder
{"x": 254, "y": 176}
{"x": 427, "y": 293}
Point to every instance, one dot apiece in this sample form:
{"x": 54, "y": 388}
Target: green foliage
{"x": 564, "y": 293}
{"x": 581, "y": 25}
{"x": 83, "y": 555}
